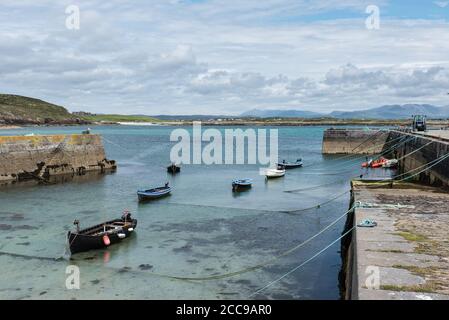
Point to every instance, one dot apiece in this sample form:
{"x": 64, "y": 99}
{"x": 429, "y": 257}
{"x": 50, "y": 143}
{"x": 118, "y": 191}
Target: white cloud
{"x": 218, "y": 56}
{"x": 441, "y": 4}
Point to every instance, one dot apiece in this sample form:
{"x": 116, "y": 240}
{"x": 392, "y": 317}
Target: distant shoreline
{"x": 289, "y": 122}
{"x": 149, "y": 124}
{"x": 240, "y": 122}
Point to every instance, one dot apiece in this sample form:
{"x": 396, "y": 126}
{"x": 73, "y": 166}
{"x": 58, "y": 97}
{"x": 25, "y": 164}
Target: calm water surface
{"x": 202, "y": 229}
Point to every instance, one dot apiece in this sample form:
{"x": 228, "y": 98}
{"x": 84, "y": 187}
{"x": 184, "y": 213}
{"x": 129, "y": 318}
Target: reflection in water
{"x": 106, "y": 257}
{"x": 89, "y": 176}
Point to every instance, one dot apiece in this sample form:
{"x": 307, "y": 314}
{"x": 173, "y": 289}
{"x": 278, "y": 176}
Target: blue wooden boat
{"x": 154, "y": 193}
{"x": 290, "y": 165}
{"x": 241, "y": 184}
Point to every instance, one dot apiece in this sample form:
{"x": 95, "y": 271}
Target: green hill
{"x": 24, "y": 110}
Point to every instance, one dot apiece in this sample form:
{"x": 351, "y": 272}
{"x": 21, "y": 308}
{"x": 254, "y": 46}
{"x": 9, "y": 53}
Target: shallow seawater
{"x": 201, "y": 230}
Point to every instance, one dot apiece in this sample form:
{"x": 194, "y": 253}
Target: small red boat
{"x": 375, "y": 163}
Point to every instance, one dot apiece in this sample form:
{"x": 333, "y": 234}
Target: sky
{"x": 225, "y": 56}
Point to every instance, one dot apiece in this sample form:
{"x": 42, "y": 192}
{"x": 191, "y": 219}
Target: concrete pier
{"x": 41, "y": 157}
{"x": 406, "y": 256}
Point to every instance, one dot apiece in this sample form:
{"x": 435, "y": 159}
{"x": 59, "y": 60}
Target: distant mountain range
{"x": 395, "y": 112}
{"x": 16, "y": 109}
{"x": 385, "y": 112}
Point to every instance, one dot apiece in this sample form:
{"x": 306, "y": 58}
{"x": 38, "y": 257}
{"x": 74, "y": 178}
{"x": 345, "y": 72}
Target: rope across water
{"x": 304, "y": 263}
{"x": 294, "y": 248}
{"x": 343, "y": 180}
{"x": 270, "y": 261}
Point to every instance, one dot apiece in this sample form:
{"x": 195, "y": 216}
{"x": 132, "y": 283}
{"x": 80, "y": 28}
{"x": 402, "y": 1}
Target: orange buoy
{"x": 106, "y": 240}
{"x": 379, "y": 162}
{"x": 374, "y": 163}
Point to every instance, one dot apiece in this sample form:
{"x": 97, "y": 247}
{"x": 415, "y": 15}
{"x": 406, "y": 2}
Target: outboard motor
{"x": 77, "y": 224}
{"x": 126, "y": 216}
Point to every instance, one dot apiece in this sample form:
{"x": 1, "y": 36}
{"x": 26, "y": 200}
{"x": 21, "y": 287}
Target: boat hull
{"x": 288, "y": 166}
{"x": 273, "y": 174}
{"x": 149, "y": 198}
{"x": 82, "y": 242}
{"x": 153, "y": 194}
{"x": 241, "y": 185}
{"x": 173, "y": 169}
{"x": 374, "y": 163}
{"x": 391, "y": 164}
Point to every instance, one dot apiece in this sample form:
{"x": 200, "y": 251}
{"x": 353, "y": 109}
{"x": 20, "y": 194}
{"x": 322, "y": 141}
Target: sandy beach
{"x": 8, "y": 127}
{"x": 167, "y": 123}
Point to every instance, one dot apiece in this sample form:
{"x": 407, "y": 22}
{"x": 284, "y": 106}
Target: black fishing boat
{"x": 241, "y": 184}
{"x": 102, "y": 235}
{"x": 173, "y": 168}
{"x": 290, "y": 165}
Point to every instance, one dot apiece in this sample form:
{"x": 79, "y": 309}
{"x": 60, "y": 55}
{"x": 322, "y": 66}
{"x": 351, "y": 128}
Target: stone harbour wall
{"x": 354, "y": 141}
{"x": 39, "y": 157}
{"x": 424, "y": 151}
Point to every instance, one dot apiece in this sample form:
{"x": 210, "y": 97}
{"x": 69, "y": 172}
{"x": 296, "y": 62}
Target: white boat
{"x": 274, "y": 173}
{"x": 393, "y": 163}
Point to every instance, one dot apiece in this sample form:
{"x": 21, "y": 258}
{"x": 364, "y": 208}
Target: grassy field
{"x": 119, "y": 118}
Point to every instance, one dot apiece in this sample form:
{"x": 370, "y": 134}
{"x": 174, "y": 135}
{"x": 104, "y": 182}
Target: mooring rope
{"x": 327, "y": 247}
{"x": 219, "y": 207}
{"x": 359, "y": 157}
{"x": 388, "y": 150}
{"x": 115, "y": 144}
{"x": 343, "y": 180}
{"x": 259, "y": 265}
{"x": 224, "y": 275}
{"x": 426, "y": 166}
{"x": 414, "y": 151}
{"x": 309, "y": 165}
{"x": 304, "y": 263}
{"x": 436, "y": 161}
{"x": 18, "y": 255}
{"x": 368, "y": 139}
{"x": 317, "y": 186}
{"x": 401, "y": 143}
{"x": 316, "y": 206}
{"x": 404, "y": 140}
{"x": 349, "y": 155}
{"x": 336, "y": 181}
